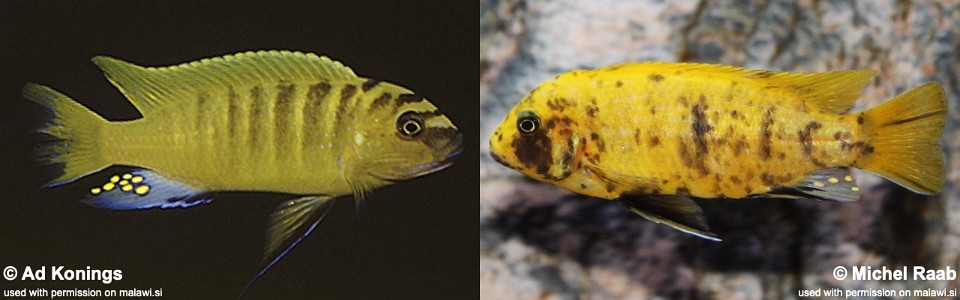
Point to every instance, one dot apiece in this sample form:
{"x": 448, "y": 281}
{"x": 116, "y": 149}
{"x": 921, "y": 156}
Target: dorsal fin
{"x": 830, "y": 92}
{"x": 150, "y": 87}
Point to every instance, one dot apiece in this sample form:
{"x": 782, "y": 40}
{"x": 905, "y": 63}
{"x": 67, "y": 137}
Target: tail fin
{"x": 75, "y": 129}
{"x": 906, "y": 139}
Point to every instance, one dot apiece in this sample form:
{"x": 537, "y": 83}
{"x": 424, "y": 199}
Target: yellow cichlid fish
{"x": 273, "y": 121}
{"x": 651, "y": 135}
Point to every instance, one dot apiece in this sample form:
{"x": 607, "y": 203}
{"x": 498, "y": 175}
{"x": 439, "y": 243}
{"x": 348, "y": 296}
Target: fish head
{"x": 411, "y": 138}
{"x": 539, "y": 137}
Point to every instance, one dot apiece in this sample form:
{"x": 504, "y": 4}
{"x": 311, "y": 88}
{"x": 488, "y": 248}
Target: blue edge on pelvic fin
{"x": 277, "y": 259}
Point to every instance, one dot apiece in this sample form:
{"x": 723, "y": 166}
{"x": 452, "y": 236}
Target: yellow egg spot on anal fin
{"x": 95, "y": 191}
{"x": 136, "y": 179}
{"x": 164, "y": 193}
{"x": 855, "y": 189}
{"x": 115, "y": 178}
{"x": 127, "y": 176}
{"x": 822, "y": 184}
{"x": 142, "y": 190}
{"x": 848, "y": 178}
{"x": 124, "y": 182}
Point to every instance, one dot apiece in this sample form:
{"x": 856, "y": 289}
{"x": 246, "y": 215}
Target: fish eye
{"x": 528, "y": 123}
{"x": 409, "y": 125}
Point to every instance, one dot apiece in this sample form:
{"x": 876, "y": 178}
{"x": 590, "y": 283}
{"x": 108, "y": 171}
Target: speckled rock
{"x": 542, "y": 242}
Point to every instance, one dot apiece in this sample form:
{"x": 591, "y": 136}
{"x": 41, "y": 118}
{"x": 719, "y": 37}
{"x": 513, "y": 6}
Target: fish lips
{"x": 453, "y": 148}
{"x": 497, "y": 158}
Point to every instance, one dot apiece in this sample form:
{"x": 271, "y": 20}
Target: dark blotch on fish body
{"x": 654, "y": 141}
{"x": 805, "y": 136}
{"x": 700, "y": 127}
{"x": 683, "y": 101}
{"x": 765, "y": 132}
{"x": 734, "y": 179}
{"x": 739, "y": 146}
{"x": 559, "y": 104}
{"x": 656, "y": 77}
{"x": 592, "y": 111}
{"x": 690, "y": 158}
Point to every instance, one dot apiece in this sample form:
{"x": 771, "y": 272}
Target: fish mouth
{"x": 499, "y": 159}
{"x": 453, "y": 148}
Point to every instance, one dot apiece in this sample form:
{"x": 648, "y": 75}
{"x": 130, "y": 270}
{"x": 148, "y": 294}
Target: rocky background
{"x": 538, "y": 241}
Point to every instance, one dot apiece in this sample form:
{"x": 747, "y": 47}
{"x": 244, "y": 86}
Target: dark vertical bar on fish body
{"x": 232, "y": 116}
{"x": 346, "y": 94}
{"x": 369, "y": 84}
{"x": 312, "y": 115}
{"x": 200, "y": 129}
{"x": 380, "y": 101}
{"x": 281, "y": 119}
{"x": 231, "y": 140}
{"x": 254, "y": 122}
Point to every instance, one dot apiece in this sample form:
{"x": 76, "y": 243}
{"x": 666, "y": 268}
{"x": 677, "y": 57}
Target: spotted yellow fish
{"x": 274, "y": 121}
{"x": 651, "y": 135}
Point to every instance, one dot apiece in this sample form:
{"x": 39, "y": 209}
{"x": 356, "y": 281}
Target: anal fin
{"x": 834, "y": 184}
{"x": 290, "y": 223}
{"x": 141, "y": 189}
{"x": 677, "y": 211}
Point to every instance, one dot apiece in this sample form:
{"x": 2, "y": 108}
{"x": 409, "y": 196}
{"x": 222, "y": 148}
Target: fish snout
{"x": 495, "y": 150}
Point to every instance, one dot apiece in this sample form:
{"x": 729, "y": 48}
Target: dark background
{"x": 413, "y": 240}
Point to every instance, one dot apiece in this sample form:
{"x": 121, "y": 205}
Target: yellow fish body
{"x": 653, "y": 134}
{"x": 274, "y": 121}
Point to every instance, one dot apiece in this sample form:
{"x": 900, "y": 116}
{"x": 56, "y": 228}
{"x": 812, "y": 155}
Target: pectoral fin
{"x": 677, "y": 211}
{"x": 290, "y": 223}
{"x": 623, "y": 181}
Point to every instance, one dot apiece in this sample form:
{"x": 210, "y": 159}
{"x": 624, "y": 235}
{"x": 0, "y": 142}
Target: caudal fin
{"x": 75, "y": 129}
{"x": 906, "y": 139}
